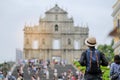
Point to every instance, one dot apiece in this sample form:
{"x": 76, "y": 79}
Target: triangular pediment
{"x": 56, "y": 9}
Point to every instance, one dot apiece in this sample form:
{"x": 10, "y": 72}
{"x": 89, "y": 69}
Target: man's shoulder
{"x": 88, "y": 50}
{"x": 84, "y": 52}
{"x": 113, "y": 64}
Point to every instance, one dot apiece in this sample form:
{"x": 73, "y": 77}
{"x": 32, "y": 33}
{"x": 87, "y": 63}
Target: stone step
{"x": 60, "y": 70}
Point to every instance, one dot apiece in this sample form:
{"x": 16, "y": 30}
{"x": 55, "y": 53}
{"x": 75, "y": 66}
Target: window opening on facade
{"x": 76, "y": 44}
{"x": 56, "y": 27}
{"x": 69, "y": 42}
{"x": 35, "y": 44}
{"x": 56, "y": 44}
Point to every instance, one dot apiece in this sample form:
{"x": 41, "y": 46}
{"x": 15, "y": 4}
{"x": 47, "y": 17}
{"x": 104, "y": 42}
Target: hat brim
{"x": 86, "y": 42}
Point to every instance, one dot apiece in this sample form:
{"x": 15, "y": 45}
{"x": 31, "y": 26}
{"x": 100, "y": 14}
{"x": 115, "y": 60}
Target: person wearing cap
{"x": 91, "y": 57}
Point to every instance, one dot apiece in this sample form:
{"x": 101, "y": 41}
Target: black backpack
{"x": 93, "y": 62}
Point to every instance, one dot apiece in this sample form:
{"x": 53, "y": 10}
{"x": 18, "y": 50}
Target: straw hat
{"x": 91, "y": 41}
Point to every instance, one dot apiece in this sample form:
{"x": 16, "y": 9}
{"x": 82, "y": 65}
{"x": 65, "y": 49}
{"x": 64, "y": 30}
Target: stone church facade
{"x": 54, "y": 37}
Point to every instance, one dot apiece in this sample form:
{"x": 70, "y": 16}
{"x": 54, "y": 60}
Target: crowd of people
{"x": 40, "y": 70}
{"x": 34, "y": 70}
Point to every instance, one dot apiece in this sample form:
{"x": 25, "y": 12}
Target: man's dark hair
{"x": 117, "y": 59}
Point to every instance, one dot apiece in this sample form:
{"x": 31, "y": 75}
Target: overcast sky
{"x": 14, "y": 14}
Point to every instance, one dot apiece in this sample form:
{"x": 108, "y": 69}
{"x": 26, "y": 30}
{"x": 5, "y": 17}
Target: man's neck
{"x": 92, "y": 48}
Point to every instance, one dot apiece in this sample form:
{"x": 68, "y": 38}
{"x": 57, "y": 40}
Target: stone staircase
{"x": 60, "y": 70}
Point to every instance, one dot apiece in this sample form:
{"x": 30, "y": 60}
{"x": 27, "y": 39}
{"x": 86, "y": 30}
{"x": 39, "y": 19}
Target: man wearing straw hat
{"x": 92, "y": 59}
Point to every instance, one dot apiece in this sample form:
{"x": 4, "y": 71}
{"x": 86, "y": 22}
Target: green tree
{"x": 107, "y": 50}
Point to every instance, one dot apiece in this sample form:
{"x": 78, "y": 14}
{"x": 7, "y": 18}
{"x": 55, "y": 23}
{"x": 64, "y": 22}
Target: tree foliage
{"x": 107, "y": 50}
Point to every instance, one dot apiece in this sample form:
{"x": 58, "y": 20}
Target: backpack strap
{"x": 90, "y": 58}
{"x": 96, "y": 58}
